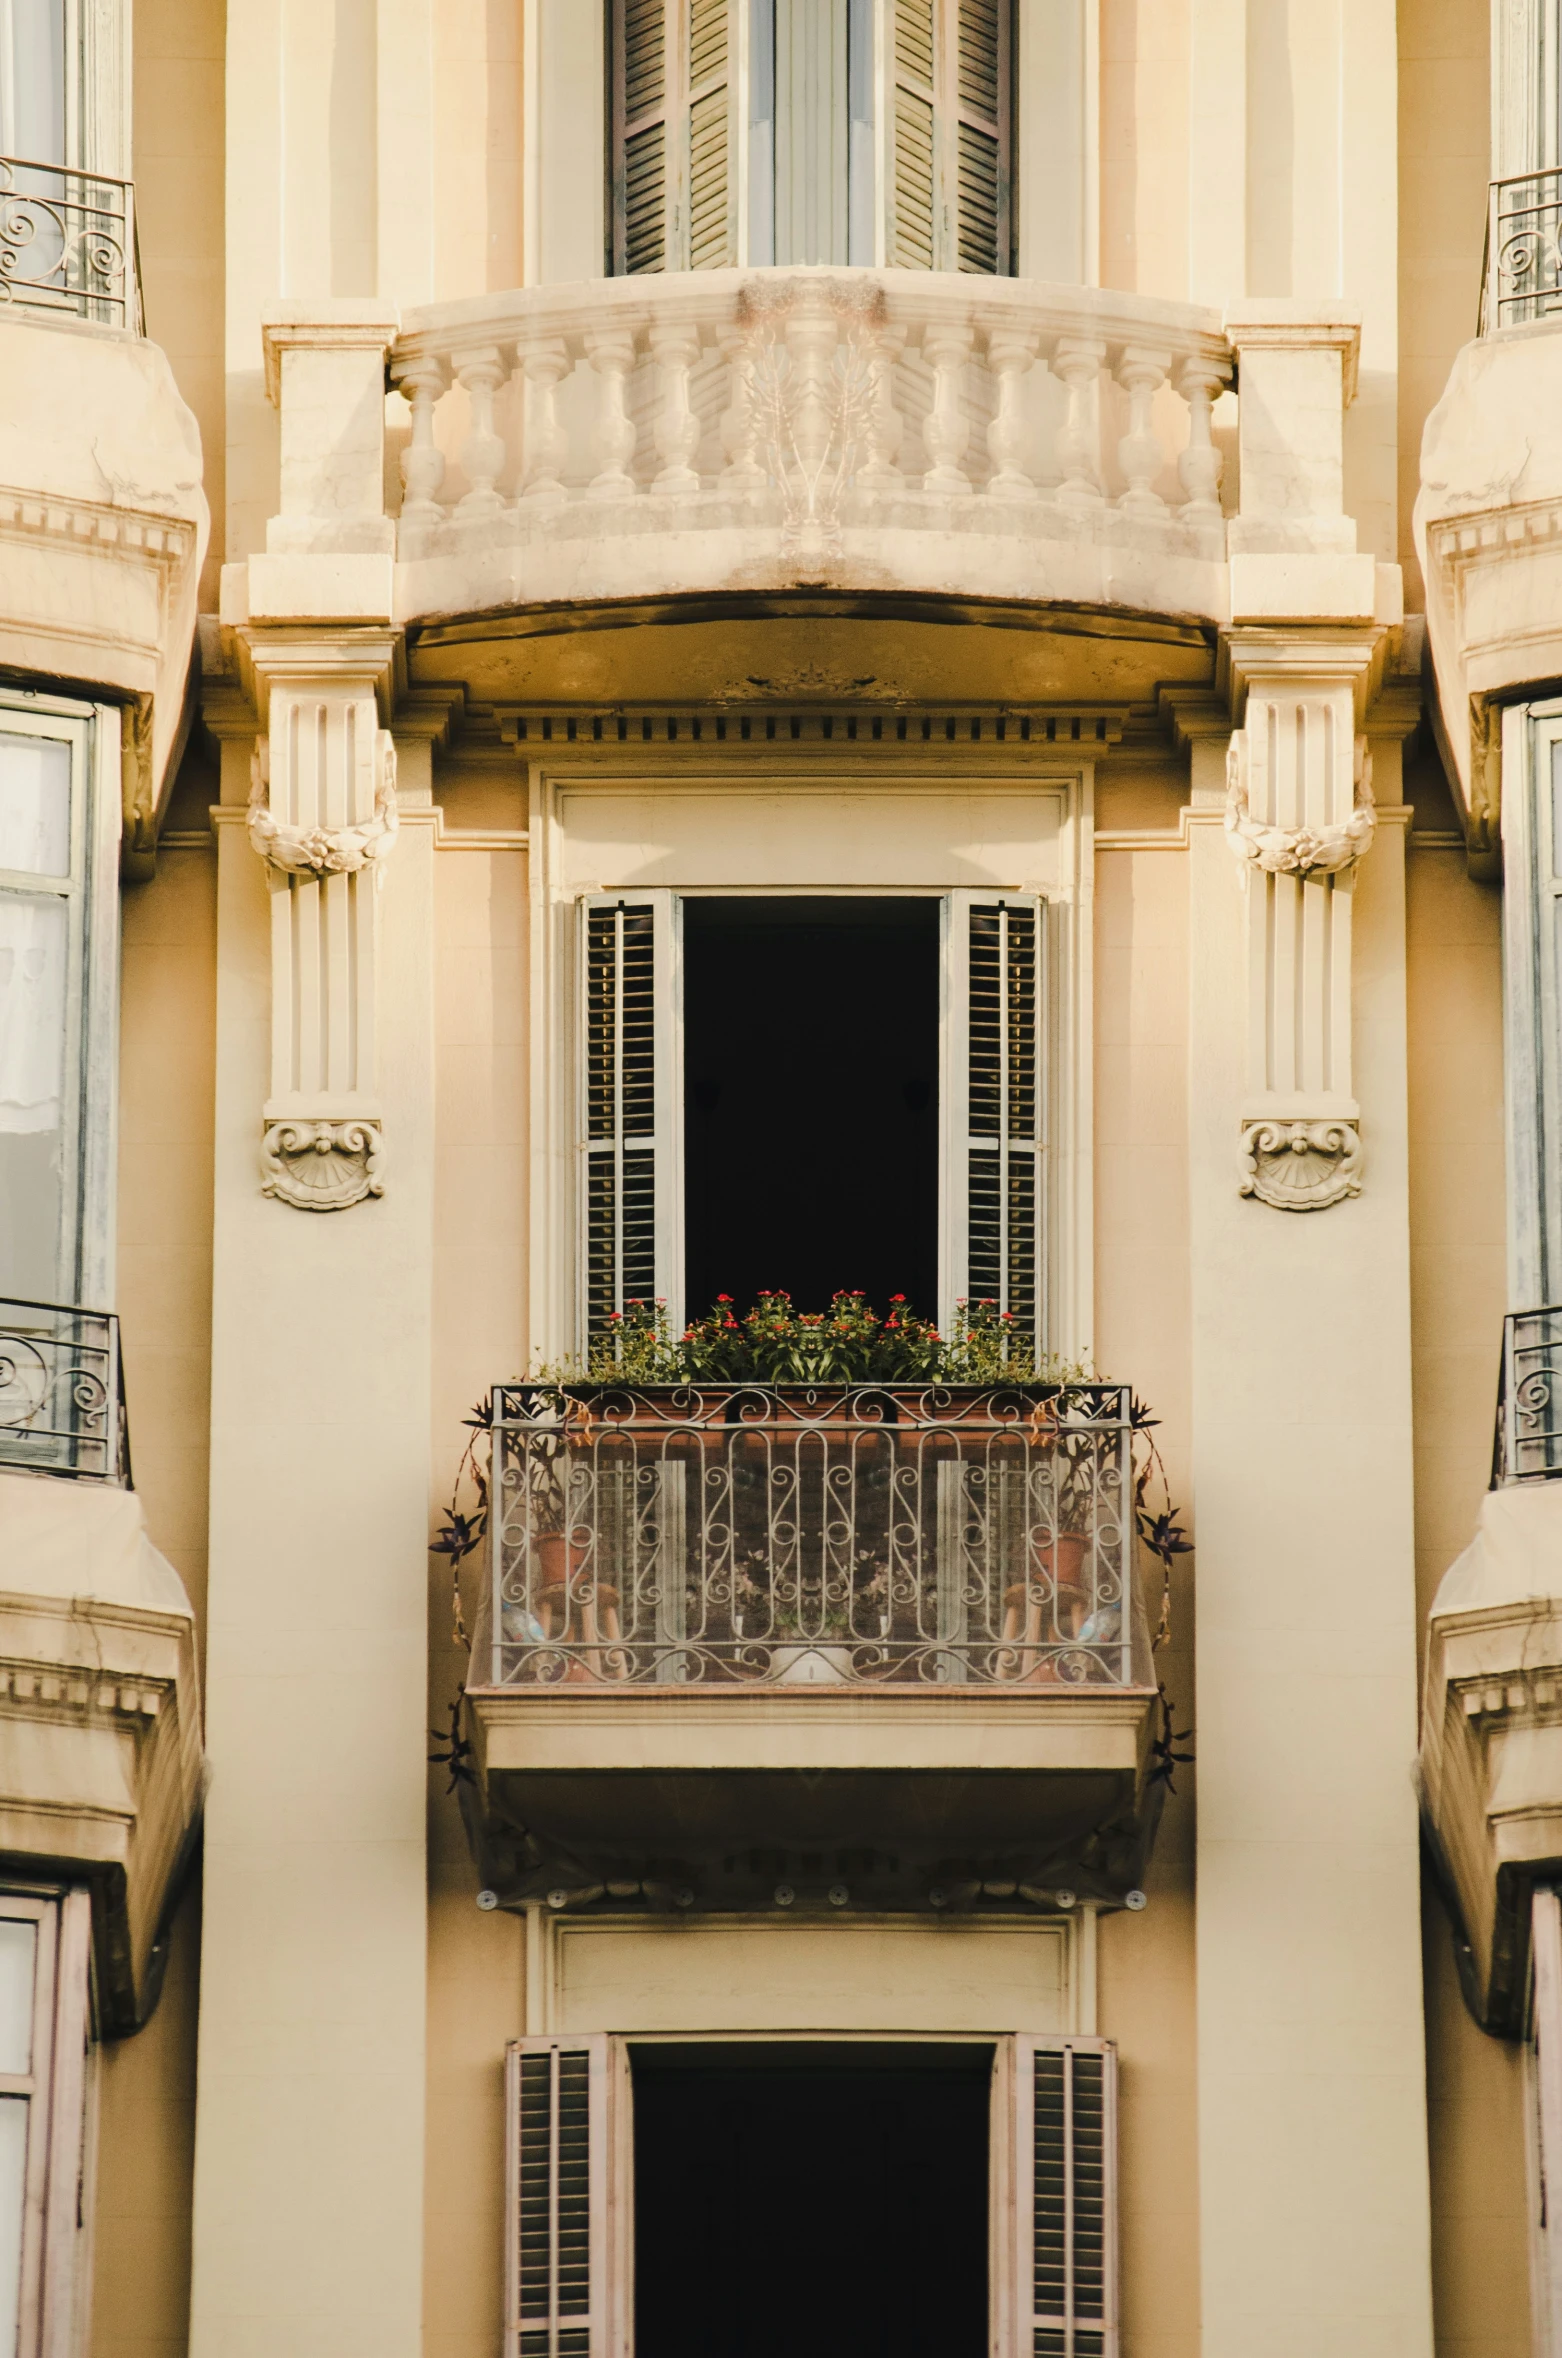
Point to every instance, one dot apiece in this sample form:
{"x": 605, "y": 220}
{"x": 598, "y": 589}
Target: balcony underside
{"x": 897, "y": 1792}
{"x": 869, "y": 649}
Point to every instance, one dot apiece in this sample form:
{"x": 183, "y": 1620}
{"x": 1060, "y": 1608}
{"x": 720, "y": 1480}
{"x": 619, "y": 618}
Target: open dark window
{"x": 812, "y": 1094}
{"x": 811, "y": 1129}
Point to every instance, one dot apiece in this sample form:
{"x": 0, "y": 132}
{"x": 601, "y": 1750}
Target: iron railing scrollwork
{"x": 68, "y": 243}
{"x": 739, "y": 1535}
{"x": 1528, "y": 1442}
{"x": 1521, "y": 279}
{"x": 62, "y": 1395}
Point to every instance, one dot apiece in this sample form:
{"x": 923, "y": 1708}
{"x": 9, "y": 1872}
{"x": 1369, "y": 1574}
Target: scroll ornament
{"x": 318, "y": 852}
{"x": 1303, "y": 852}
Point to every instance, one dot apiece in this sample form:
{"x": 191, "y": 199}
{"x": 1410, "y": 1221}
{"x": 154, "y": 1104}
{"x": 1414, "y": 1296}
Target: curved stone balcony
{"x": 884, "y": 430}
{"x": 103, "y": 522}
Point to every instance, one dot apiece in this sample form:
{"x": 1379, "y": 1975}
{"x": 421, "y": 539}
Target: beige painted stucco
{"x": 1281, "y": 151}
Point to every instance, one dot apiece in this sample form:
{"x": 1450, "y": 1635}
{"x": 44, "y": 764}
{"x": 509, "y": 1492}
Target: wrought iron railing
{"x": 1521, "y": 279}
{"x": 1528, "y": 1443}
{"x": 62, "y": 1394}
{"x": 741, "y": 1536}
{"x": 68, "y": 242}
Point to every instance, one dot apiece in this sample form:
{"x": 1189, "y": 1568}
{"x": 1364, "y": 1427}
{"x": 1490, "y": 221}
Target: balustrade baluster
{"x": 1076, "y": 361}
{"x": 945, "y": 430}
{"x": 1010, "y": 354}
{"x": 546, "y": 445}
{"x": 1201, "y": 465}
{"x": 675, "y": 349}
{"x": 812, "y": 333}
{"x": 421, "y": 383}
{"x": 739, "y": 424}
{"x": 884, "y": 426}
{"x": 480, "y": 375}
{"x": 1141, "y": 374}
{"x": 611, "y": 352}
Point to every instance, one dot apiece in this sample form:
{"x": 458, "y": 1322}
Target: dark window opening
{"x": 827, "y": 2199}
{"x": 811, "y": 1100}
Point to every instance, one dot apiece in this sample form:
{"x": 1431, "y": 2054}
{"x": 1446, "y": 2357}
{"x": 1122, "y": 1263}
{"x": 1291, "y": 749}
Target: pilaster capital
{"x": 341, "y": 324}
{"x": 1296, "y": 658}
{"x": 1270, "y": 324}
{"x": 369, "y": 659}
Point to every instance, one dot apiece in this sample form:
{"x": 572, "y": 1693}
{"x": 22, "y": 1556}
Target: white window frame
{"x": 1063, "y": 796}
{"x": 1526, "y": 86}
{"x": 57, "y": 2092}
{"x": 96, "y": 87}
{"x": 568, "y": 214}
{"x": 86, "y": 1253}
{"x": 607, "y": 2329}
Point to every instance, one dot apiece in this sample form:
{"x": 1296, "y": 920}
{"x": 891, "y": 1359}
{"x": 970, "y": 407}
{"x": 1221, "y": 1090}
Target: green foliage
{"x": 776, "y": 1343}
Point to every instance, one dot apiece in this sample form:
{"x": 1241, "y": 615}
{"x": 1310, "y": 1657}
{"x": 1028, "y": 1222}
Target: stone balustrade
{"x": 876, "y": 429}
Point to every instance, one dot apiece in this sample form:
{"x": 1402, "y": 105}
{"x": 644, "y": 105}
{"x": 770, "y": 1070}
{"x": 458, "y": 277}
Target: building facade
{"x": 655, "y": 649}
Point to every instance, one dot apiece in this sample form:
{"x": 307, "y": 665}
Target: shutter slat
{"x": 1004, "y": 1143}
{"x": 977, "y": 183}
{"x": 709, "y": 203}
{"x": 628, "y": 1106}
{"x": 555, "y": 2130}
{"x": 1068, "y": 2183}
{"x": 645, "y": 57}
{"x": 911, "y": 247}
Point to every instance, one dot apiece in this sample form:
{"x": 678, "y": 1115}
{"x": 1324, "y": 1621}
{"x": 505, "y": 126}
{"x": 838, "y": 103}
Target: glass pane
{"x": 18, "y": 1957}
{"x": 32, "y": 80}
{"x": 13, "y": 2193}
{"x": 34, "y": 950}
{"x": 35, "y": 805}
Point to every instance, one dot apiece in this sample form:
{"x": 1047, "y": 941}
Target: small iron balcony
{"x": 68, "y": 243}
{"x": 860, "y": 1536}
{"x": 1528, "y": 1441}
{"x": 733, "y": 1637}
{"x": 1522, "y": 276}
{"x": 62, "y": 1404}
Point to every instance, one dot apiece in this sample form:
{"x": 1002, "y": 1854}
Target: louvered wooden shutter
{"x": 565, "y": 2188}
{"x": 994, "y": 1100}
{"x": 983, "y": 33}
{"x": 630, "y": 1106}
{"x": 949, "y": 135}
{"x": 674, "y": 166}
{"x": 914, "y": 177}
{"x": 1065, "y": 2197}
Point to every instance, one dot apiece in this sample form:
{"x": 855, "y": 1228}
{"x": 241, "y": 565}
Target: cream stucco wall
{"x": 1219, "y": 126}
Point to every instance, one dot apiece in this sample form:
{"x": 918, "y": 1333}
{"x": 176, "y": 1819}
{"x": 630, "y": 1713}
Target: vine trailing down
{"x": 776, "y": 1344}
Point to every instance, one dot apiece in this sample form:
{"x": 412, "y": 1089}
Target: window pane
{"x": 35, "y": 805}
{"x": 13, "y": 2187}
{"x": 32, "y": 80}
{"x": 34, "y": 950}
{"x": 18, "y": 1957}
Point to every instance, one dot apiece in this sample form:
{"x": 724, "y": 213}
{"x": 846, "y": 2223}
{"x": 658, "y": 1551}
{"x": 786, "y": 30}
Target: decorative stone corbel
{"x": 1302, "y": 852}
{"x": 324, "y": 851}
{"x": 323, "y": 816}
{"x": 1299, "y": 816}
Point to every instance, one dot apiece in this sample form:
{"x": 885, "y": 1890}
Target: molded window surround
{"x": 59, "y": 997}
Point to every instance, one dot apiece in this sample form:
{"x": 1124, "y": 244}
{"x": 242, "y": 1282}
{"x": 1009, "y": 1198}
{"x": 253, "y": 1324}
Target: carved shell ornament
{"x": 319, "y": 852}
{"x": 322, "y": 1166}
{"x": 1300, "y": 1166}
{"x": 1297, "y": 851}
